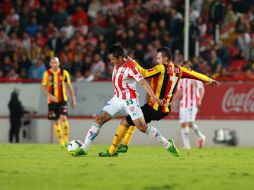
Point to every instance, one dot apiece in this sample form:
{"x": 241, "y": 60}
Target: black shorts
{"x": 149, "y": 114}
{"x": 57, "y": 109}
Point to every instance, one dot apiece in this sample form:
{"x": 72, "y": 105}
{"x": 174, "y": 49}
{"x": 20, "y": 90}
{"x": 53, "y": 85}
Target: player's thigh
{"x": 63, "y": 110}
{"x": 52, "y": 111}
{"x": 132, "y": 108}
{"x": 188, "y": 115}
{"x": 146, "y": 113}
{"x": 193, "y": 114}
{"x": 112, "y": 106}
{"x": 183, "y": 115}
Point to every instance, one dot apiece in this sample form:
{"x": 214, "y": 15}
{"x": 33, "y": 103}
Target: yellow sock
{"x": 128, "y": 135}
{"x": 59, "y": 135}
{"x": 117, "y": 139}
{"x": 65, "y": 125}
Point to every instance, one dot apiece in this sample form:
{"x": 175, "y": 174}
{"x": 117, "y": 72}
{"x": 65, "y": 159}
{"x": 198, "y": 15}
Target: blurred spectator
{"x": 230, "y": 16}
{"x": 33, "y": 27}
{"x": 12, "y": 76}
{"x": 40, "y": 29}
{"x": 37, "y": 69}
{"x": 98, "y": 68}
{"x": 59, "y": 17}
{"x": 215, "y": 62}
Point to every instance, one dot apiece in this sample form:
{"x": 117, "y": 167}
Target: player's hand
{"x": 52, "y": 98}
{"x": 199, "y": 103}
{"x": 157, "y": 100}
{"x": 212, "y": 82}
{"x": 73, "y": 103}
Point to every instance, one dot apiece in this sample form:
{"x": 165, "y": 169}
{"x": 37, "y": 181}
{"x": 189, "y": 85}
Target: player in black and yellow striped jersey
{"x": 164, "y": 79}
{"x": 54, "y": 84}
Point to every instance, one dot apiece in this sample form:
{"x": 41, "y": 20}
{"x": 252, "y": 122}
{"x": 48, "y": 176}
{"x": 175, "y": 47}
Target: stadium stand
{"x": 79, "y": 32}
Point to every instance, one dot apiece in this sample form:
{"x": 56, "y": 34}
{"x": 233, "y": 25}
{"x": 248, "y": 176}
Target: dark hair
{"x": 165, "y": 51}
{"x": 117, "y": 51}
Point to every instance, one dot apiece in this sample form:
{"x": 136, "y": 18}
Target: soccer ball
{"x": 73, "y": 145}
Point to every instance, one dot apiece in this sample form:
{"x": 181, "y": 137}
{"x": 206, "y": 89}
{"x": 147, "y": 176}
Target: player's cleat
{"x": 78, "y": 152}
{"x": 201, "y": 141}
{"x": 172, "y": 149}
{"x": 105, "y": 153}
{"x": 122, "y": 149}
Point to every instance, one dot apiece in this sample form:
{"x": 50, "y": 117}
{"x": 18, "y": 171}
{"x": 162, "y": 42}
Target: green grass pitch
{"x": 37, "y": 166}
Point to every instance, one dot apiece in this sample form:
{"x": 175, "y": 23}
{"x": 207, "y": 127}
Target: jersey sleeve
{"x": 186, "y": 73}
{"x": 135, "y": 74}
{"x": 150, "y": 72}
{"x": 67, "y": 78}
{"x": 45, "y": 78}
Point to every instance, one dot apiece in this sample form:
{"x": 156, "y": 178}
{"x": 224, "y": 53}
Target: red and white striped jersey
{"x": 190, "y": 92}
{"x": 124, "y": 79}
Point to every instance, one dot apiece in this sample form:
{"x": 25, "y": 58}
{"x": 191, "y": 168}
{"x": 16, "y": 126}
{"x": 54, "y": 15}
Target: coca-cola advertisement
{"x": 229, "y": 101}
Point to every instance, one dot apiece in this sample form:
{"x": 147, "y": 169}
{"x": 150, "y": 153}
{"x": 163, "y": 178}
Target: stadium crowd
{"x": 80, "y": 31}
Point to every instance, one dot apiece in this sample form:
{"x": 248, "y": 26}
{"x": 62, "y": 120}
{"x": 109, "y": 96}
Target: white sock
{"x": 156, "y": 135}
{"x": 185, "y": 137}
{"x": 91, "y": 135}
{"x": 196, "y": 130}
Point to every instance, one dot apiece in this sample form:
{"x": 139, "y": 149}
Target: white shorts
{"x": 130, "y": 107}
{"x": 187, "y": 114}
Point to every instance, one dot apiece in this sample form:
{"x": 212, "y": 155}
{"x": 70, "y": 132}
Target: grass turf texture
{"x": 30, "y": 166}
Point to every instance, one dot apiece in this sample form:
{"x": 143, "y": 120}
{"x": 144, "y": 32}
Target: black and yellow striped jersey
{"x": 164, "y": 79}
{"x": 55, "y": 82}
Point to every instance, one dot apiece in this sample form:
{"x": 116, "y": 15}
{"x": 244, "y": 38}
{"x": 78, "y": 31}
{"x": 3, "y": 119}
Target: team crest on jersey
{"x": 50, "y": 78}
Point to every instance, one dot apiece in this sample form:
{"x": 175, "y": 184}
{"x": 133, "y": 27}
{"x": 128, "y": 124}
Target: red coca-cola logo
{"x": 238, "y": 102}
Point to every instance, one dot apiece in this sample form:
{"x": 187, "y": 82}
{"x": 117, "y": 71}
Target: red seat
{"x": 237, "y": 65}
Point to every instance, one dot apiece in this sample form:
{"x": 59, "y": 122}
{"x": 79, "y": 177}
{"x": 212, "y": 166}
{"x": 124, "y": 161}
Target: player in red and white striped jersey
{"x": 124, "y": 78}
{"x": 190, "y": 92}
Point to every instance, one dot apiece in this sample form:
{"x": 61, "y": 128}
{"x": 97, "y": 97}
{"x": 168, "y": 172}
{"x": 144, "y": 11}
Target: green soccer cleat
{"x": 78, "y": 152}
{"x": 122, "y": 149}
{"x": 105, "y": 153}
{"x": 172, "y": 149}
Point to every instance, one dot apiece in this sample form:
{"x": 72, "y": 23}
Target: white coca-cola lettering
{"x": 238, "y": 102}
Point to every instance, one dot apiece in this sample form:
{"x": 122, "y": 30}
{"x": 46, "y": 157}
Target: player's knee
{"x": 57, "y": 122}
{"x": 124, "y": 123}
{"x": 142, "y": 127}
{"x": 63, "y": 117}
{"x": 100, "y": 119}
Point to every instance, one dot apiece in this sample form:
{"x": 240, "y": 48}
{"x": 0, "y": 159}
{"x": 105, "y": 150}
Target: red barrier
{"x": 232, "y": 100}
{"x": 229, "y": 101}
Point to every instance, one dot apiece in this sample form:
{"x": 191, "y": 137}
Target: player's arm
{"x": 187, "y": 73}
{"x": 150, "y": 92}
{"x": 177, "y": 96}
{"x": 70, "y": 89}
{"x": 45, "y": 89}
{"x": 201, "y": 93}
{"x": 146, "y": 73}
{"x": 136, "y": 75}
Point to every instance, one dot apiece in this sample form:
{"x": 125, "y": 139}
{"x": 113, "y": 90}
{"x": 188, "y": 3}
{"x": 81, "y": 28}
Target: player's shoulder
{"x": 130, "y": 63}
{"x": 65, "y": 71}
{"x": 46, "y": 72}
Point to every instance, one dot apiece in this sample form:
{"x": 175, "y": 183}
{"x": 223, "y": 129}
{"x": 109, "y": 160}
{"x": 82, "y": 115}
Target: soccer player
{"x": 190, "y": 93}
{"x": 124, "y": 78}
{"x": 164, "y": 79}
{"x": 54, "y": 84}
